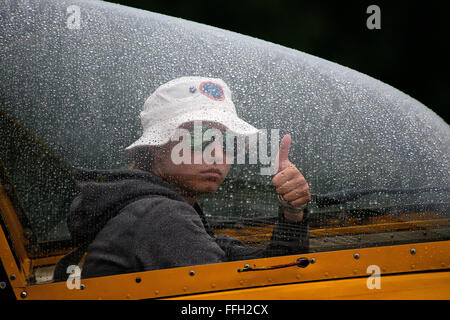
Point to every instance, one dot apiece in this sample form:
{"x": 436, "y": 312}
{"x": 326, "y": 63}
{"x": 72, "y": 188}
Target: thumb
{"x": 283, "y": 153}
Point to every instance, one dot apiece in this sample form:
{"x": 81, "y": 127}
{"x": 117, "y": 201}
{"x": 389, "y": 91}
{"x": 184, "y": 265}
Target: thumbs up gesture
{"x": 290, "y": 183}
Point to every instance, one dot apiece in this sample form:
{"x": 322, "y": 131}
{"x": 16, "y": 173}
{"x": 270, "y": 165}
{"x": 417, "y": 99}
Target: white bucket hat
{"x": 188, "y": 99}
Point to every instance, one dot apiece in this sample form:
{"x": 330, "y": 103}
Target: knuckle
{"x": 280, "y": 190}
{"x": 289, "y": 196}
{"x": 275, "y": 180}
{"x": 299, "y": 201}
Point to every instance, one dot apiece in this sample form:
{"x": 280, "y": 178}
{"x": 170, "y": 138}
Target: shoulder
{"x": 156, "y": 205}
{"x": 153, "y": 212}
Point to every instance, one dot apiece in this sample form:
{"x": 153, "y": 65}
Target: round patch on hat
{"x": 212, "y": 90}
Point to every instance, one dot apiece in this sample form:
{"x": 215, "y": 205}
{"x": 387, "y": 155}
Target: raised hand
{"x": 290, "y": 183}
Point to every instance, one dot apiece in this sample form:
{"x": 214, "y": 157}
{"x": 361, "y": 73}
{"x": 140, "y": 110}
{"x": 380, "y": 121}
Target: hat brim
{"x": 160, "y": 133}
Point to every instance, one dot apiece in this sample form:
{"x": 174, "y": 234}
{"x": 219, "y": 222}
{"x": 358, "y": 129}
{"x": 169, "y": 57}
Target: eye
{"x": 206, "y": 143}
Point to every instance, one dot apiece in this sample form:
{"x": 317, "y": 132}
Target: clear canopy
{"x": 75, "y": 74}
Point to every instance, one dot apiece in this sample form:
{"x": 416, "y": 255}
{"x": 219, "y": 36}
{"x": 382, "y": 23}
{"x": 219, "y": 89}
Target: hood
{"x": 104, "y": 193}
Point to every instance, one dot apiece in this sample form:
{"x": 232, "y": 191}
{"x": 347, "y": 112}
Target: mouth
{"x": 213, "y": 173}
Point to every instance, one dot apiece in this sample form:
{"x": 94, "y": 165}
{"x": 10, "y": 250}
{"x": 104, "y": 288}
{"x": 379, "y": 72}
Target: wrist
{"x": 293, "y": 217}
{"x": 288, "y": 208}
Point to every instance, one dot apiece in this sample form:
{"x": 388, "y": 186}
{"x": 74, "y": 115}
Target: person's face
{"x": 191, "y": 177}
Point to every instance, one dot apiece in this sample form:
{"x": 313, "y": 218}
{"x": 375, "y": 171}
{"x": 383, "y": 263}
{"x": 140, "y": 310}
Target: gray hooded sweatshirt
{"x": 132, "y": 220}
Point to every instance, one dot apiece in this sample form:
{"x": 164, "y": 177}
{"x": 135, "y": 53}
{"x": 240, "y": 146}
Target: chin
{"x": 208, "y": 187}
